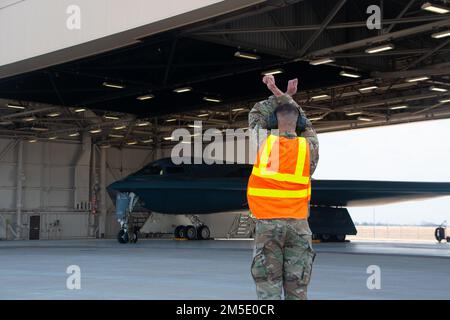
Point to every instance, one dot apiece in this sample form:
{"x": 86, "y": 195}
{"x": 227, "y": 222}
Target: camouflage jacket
{"x": 257, "y": 120}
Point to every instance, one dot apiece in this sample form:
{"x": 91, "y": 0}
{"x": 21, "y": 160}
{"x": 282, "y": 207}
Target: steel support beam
{"x": 300, "y": 28}
{"x": 381, "y": 38}
{"x": 319, "y": 31}
{"x": 103, "y": 208}
{"x": 411, "y": 73}
{"x": 428, "y": 54}
{"x": 19, "y": 189}
{"x": 400, "y": 15}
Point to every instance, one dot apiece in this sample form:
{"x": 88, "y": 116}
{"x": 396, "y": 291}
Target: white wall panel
{"x": 7, "y": 199}
{"x": 32, "y": 174}
{"x": 31, "y": 198}
{"x": 61, "y": 176}
{"x": 7, "y": 174}
{"x": 59, "y": 198}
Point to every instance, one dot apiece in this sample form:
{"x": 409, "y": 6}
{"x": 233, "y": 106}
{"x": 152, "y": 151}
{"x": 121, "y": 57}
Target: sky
{"x": 418, "y": 151}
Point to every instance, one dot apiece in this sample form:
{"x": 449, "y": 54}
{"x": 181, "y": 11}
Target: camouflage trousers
{"x": 283, "y": 259}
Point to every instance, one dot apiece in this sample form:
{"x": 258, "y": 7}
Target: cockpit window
{"x": 152, "y": 170}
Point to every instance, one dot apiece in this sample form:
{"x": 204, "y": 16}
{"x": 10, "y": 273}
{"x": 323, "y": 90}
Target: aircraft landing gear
{"x": 326, "y": 237}
{"x": 125, "y": 203}
{"x": 197, "y": 231}
{"x": 125, "y": 237}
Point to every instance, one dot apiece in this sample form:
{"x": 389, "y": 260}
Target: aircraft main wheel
{"x": 203, "y": 233}
{"x": 325, "y": 237}
{"x": 340, "y": 237}
{"x": 191, "y": 232}
{"x": 176, "y": 233}
{"x": 182, "y": 232}
{"x": 122, "y": 236}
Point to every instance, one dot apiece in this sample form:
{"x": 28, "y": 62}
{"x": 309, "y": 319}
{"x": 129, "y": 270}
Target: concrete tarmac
{"x": 219, "y": 269}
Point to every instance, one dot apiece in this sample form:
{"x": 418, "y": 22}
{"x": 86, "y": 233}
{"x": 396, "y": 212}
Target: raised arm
{"x": 257, "y": 117}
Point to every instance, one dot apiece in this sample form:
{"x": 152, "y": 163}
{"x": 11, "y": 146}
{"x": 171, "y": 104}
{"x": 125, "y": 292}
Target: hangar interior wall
{"x": 56, "y": 180}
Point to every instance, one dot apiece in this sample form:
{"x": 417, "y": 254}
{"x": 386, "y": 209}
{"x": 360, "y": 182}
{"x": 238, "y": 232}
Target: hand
{"x": 292, "y": 87}
{"x": 269, "y": 80}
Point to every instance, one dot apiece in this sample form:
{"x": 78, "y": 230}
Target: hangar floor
{"x": 164, "y": 269}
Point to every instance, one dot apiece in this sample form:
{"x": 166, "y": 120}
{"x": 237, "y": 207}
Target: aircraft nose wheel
{"x": 122, "y": 236}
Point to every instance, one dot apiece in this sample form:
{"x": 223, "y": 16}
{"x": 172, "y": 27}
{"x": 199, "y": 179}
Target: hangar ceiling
{"x": 132, "y": 95}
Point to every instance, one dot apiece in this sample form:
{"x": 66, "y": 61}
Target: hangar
{"x": 91, "y": 93}
{"x": 75, "y": 119}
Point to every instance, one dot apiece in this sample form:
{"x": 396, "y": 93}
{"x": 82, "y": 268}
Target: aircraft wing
{"x": 349, "y": 193}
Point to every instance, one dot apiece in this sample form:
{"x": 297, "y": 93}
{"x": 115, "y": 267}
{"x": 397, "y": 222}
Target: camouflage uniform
{"x": 283, "y": 255}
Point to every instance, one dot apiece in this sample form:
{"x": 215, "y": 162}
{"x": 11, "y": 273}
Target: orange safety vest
{"x": 280, "y": 184}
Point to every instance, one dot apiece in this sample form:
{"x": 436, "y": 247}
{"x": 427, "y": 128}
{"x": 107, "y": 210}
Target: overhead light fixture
{"x": 96, "y": 130}
{"x": 29, "y": 119}
{"x": 320, "y": 97}
{"x": 168, "y": 138}
{"x": 171, "y": 120}
{"x": 116, "y": 135}
{"x": 398, "y": 107}
{"x": 32, "y": 140}
{"x": 145, "y": 97}
{"x": 438, "y": 89}
{"x": 5, "y": 123}
{"x": 75, "y": 134}
{"x": 120, "y": 127}
{"x": 353, "y": 113}
{"x": 384, "y": 47}
{"x": 40, "y": 129}
{"x": 364, "y": 119}
{"x": 193, "y": 126}
{"x": 442, "y": 34}
{"x": 105, "y": 146}
{"x": 315, "y": 118}
{"x": 54, "y": 114}
{"x": 349, "y": 74}
{"x": 130, "y": 143}
{"x": 434, "y": 8}
{"x": 113, "y": 85}
{"x": 14, "y": 106}
{"x": 182, "y": 90}
{"x": 238, "y": 109}
{"x": 111, "y": 117}
{"x": 246, "y": 55}
{"x": 209, "y": 99}
{"x": 80, "y": 110}
{"x": 444, "y": 100}
{"x": 143, "y": 124}
{"x": 52, "y": 138}
{"x": 370, "y": 88}
{"x": 272, "y": 72}
{"x": 147, "y": 141}
{"x": 319, "y": 61}
{"x": 417, "y": 79}
{"x": 203, "y": 115}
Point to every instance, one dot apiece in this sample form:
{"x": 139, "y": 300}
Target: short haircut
{"x": 287, "y": 110}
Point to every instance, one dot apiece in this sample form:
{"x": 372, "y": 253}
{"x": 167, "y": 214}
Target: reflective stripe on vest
{"x": 273, "y": 193}
{"x": 297, "y": 177}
